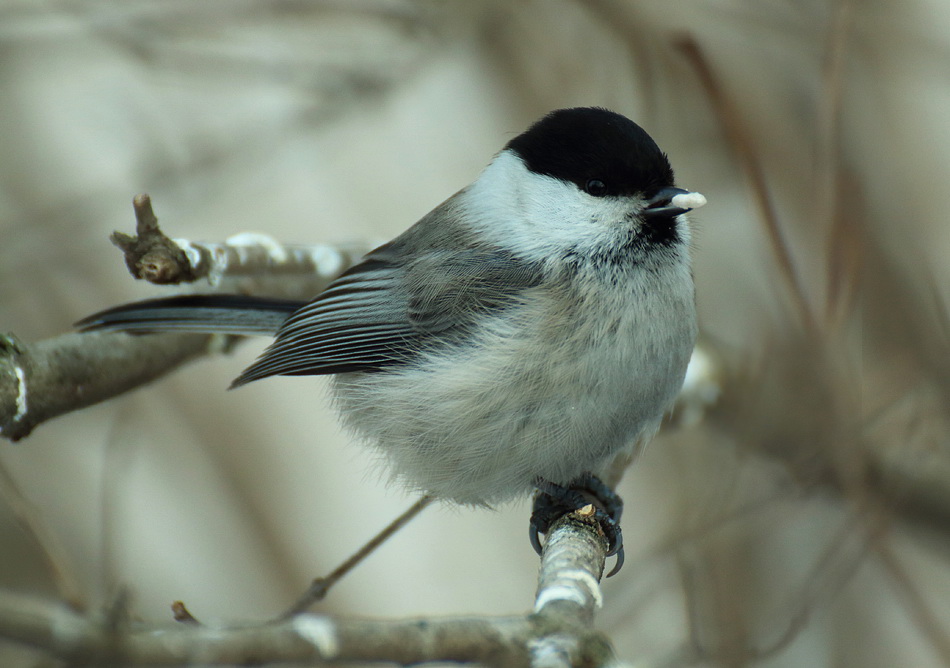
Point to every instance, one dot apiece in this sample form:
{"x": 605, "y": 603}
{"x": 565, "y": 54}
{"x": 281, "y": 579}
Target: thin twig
{"x": 829, "y": 187}
{"x": 320, "y": 587}
{"x": 920, "y": 611}
{"x": 738, "y": 136}
{"x": 835, "y": 567}
{"x": 53, "y": 553}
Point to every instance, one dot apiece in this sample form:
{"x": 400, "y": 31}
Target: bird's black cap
{"x": 589, "y": 143}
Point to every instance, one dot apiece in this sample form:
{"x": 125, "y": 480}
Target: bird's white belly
{"x": 480, "y": 423}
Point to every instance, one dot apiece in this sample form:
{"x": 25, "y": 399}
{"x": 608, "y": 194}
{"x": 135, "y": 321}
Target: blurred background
{"x": 801, "y": 519}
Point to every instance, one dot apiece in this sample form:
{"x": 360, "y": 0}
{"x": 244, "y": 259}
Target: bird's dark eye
{"x": 596, "y": 187}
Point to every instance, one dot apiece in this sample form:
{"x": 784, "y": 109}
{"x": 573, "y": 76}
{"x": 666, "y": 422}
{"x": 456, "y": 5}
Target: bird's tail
{"x": 231, "y": 314}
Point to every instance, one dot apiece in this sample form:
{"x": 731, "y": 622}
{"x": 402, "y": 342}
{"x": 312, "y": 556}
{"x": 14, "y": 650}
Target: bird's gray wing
{"x": 385, "y": 309}
{"x": 449, "y": 290}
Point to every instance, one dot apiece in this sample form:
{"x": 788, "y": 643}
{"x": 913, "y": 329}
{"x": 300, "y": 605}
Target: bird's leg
{"x": 553, "y": 501}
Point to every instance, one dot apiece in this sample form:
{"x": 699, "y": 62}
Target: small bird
{"x": 519, "y": 337}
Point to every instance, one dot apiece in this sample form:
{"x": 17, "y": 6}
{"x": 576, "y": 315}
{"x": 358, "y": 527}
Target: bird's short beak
{"x": 672, "y": 202}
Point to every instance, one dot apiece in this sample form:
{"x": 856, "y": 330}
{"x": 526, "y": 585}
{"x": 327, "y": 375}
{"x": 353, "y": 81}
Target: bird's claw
{"x": 553, "y": 501}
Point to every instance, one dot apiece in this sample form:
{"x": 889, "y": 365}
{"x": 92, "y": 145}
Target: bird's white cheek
{"x": 540, "y": 216}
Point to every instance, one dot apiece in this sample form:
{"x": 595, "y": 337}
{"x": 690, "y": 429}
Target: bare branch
{"x": 313, "y": 638}
{"x": 251, "y": 263}
{"x": 42, "y": 380}
{"x": 557, "y": 633}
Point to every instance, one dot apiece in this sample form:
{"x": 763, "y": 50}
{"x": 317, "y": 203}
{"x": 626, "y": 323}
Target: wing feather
{"x": 385, "y": 309}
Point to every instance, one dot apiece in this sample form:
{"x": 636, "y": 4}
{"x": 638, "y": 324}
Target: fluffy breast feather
{"x": 553, "y": 387}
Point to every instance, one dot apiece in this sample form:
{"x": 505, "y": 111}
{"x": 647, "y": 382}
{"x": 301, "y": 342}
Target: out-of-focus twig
{"x": 831, "y": 190}
{"x": 53, "y": 552}
{"x": 743, "y": 146}
{"x": 922, "y": 613}
{"x": 180, "y": 613}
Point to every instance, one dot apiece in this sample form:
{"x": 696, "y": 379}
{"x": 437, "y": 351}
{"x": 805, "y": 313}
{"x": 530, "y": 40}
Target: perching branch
{"x": 557, "y": 633}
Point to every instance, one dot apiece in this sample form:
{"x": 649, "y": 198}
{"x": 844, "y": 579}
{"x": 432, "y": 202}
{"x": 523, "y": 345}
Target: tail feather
{"x": 231, "y": 314}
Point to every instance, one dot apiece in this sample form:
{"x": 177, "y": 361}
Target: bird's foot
{"x": 553, "y": 501}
